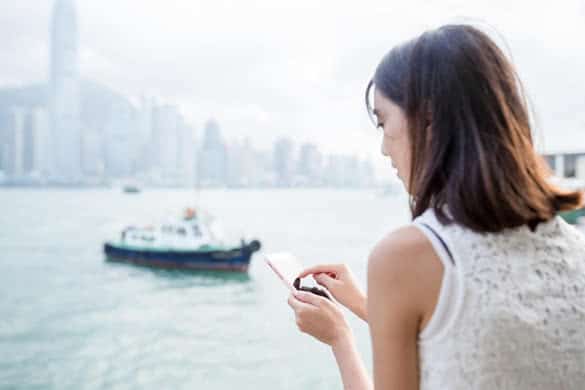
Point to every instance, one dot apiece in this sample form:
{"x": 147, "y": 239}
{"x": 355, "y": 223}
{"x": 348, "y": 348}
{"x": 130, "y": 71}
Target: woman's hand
{"x": 341, "y": 283}
{"x": 320, "y": 318}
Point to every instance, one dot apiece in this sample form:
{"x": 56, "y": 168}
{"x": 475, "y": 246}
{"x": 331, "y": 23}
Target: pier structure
{"x": 567, "y": 164}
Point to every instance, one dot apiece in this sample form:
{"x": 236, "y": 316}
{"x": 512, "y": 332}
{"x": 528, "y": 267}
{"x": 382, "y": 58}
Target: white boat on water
{"x": 192, "y": 241}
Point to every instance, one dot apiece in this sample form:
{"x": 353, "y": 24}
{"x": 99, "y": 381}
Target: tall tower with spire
{"x": 65, "y": 93}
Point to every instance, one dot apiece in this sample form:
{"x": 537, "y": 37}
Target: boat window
{"x": 196, "y": 231}
{"x": 181, "y": 231}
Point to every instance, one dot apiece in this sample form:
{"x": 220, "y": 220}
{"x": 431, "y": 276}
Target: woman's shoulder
{"x": 403, "y": 251}
{"x": 404, "y": 262}
{"x": 406, "y": 240}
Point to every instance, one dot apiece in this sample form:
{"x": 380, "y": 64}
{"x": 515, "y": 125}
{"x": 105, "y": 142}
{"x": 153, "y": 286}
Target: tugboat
{"x": 190, "y": 242}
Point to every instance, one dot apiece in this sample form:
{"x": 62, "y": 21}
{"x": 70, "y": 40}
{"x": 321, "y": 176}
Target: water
{"x": 70, "y": 320}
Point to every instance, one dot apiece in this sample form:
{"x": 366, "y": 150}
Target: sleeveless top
{"x": 511, "y": 309}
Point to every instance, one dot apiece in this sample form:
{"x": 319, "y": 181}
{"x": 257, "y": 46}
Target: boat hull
{"x": 237, "y": 259}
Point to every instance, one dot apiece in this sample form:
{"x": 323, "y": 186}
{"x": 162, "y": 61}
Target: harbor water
{"x": 71, "y": 320}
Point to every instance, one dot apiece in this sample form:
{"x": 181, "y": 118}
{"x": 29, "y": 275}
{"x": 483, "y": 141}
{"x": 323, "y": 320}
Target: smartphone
{"x": 286, "y": 266}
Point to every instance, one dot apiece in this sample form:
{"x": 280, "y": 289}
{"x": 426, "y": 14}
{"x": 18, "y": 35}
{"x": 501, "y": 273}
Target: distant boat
{"x": 131, "y": 189}
{"x": 189, "y": 242}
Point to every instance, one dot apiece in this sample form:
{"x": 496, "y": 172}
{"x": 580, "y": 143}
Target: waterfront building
{"x": 64, "y": 96}
{"x": 283, "y": 161}
{"x": 14, "y": 142}
{"x": 212, "y": 156}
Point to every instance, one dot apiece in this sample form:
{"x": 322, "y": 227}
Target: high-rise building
{"x": 282, "y": 153}
{"x": 169, "y": 142}
{"x": 186, "y": 154}
{"x": 13, "y": 153}
{"x": 28, "y": 144}
{"x": 309, "y": 165}
{"x": 39, "y": 119}
{"x": 94, "y": 152}
{"x": 64, "y": 98}
{"x": 25, "y": 143}
{"x": 333, "y": 172}
{"x": 119, "y": 156}
{"x": 144, "y": 134}
{"x": 240, "y": 170}
{"x": 212, "y": 168}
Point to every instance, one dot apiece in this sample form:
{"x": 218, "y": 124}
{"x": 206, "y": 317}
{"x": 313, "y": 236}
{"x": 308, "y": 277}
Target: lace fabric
{"x": 519, "y": 322}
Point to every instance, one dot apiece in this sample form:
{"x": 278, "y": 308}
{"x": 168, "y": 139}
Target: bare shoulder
{"x": 404, "y": 263}
{"x": 405, "y": 249}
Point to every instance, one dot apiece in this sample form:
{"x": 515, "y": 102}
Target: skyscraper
{"x": 65, "y": 93}
{"x": 213, "y": 156}
{"x": 35, "y": 142}
{"x": 282, "y": 153}
{"x": 14, "y": 143}
{"x": 169, "y": 121}
{"x": 309, "y": 164}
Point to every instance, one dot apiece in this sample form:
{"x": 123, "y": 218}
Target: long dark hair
{"x": 479, "y": 157}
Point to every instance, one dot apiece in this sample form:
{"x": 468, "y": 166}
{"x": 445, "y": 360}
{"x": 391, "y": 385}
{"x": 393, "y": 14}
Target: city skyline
{"x": 63, "y": 135}
{"x": 267, "y": 76}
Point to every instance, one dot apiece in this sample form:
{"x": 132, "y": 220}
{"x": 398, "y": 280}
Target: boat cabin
{"x": 188, "y": 233}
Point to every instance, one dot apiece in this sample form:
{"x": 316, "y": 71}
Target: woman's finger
{"x": 297, "y": 304}
{"x": 325, "y": 280}
{"x": 310, "y": 299}
{"x": 323, "y": 268}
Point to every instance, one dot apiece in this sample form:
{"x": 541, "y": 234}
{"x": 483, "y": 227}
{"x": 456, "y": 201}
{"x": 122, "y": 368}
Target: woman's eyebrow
{"x": 376, "y": 112}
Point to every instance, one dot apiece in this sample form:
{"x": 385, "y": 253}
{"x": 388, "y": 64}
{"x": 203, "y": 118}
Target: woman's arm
{"x": 351, "y": 368}
{"x": 404, "y": 277}
{"x": 322, "y": 319}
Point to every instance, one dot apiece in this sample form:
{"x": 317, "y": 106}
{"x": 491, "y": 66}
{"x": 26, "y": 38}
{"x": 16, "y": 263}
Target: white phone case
{"x": 286, "y": 266}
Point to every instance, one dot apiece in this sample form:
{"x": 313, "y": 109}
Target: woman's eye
{"x": 380, "y": 126}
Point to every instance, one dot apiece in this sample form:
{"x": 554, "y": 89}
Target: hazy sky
{"x": 267, "y": 68}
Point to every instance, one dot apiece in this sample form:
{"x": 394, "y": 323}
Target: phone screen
{"x": 286, "y": 266}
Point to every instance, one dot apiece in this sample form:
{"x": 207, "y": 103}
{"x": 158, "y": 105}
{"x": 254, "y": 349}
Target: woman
{"x": 485, "y": 289}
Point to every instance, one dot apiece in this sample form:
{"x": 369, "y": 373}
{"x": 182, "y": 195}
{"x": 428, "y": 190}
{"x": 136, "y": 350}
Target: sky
{"x": 271, "y": 68}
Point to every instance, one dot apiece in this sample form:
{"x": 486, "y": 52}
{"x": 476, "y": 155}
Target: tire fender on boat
{"x": 254, "y": 246}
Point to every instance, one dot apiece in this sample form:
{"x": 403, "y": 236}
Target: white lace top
{"x": 511, "y": 311}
